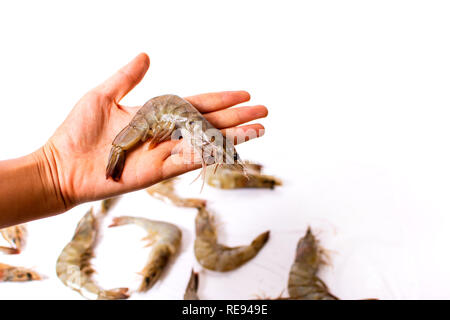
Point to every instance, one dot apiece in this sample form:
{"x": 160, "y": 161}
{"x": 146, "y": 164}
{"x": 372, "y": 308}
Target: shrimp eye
{"x": 29, "y": 276}
{"x": 236, "y": 158}
{"x": 191, "y": 122}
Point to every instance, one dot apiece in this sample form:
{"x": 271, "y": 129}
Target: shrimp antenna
{"x": 202, "y": 174}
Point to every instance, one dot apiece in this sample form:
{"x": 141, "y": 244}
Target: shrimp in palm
{"x": 165, "y": 239}
{"x": 192, "y": 287}
{"x": 73, "y": 267}
{"x": 227, "y": 177}
{"x": 16, "y": 237}
{"x": 165, "y": 191}
{"x": 303, "y": 281}
{"x": 214, "y": 256}
{"x": 157, "y": 120}
{"x": 17, "y": 274}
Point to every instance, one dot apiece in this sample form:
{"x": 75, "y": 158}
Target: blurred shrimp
{"x": 227, "y": 177}
{"x": 73, "y": 267}
{"x": 303, "y": 283}
{"x": 165, "y": 239}
{"x": 214, "y": 256}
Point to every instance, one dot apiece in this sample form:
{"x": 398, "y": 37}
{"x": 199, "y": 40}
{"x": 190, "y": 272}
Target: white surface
{"x": 358, "y": 94}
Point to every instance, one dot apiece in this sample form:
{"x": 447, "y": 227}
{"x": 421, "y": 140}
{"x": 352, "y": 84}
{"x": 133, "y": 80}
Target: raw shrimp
{"x": 16, "y": 237}
{"x": 303, "y": 283}
{"x": 157, "y": 120}
{"x": 192, "y": 287}
{"x": 165, "y": 191}
{"x": 73, "y": 266}
{"x": 17, "y": 274}
{"x": 227, "y": 177}
{"x": 215, "y": 256}
{"x": 165, "y": 238}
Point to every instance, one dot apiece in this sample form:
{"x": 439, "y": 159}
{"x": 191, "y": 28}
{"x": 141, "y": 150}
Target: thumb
{"x": 118, "y": 85}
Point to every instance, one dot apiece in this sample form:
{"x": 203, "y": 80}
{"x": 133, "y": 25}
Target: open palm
{"x": 78, "y": 150}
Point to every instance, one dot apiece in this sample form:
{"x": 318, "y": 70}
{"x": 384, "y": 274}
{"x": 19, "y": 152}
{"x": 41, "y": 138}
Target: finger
{"x": 244, "y": 133}
{"x": 176, "y": 164}
{"x": 236, "y": 116}
{"x": 236, "y": 134}
{"x": 118, "y": 85}
{"x": 209, "y": 102}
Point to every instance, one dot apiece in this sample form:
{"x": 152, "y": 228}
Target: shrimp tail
{"x": 260, "y": 241}
{"x": 116, "y": 163}
{"x": 273, "y": 181}
{"x": 114, "y": 294}
{"x": 262, "y": 181}
{"x": 192, "y": 287}
{"x": 8, "y": 250}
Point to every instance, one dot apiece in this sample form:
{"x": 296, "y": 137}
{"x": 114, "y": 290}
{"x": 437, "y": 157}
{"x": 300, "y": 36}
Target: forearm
{"x": 28, "y": 189}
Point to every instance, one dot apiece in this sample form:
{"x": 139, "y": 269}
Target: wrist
{"x": 54, "y": 198}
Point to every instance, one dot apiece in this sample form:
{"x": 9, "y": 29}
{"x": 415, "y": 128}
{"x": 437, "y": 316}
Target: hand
{"x": 76, "y": 155}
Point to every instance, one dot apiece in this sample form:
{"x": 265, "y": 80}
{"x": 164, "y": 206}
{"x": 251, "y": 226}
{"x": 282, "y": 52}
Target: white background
{"x": 358, "y": 98}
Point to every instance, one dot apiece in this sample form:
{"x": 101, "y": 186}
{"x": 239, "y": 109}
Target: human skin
{"x": 69, "y": 169}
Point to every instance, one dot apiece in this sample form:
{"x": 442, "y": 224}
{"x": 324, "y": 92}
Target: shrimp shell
{"x": 165, "y": 191}
{"x": 73, "y": 267}
{"x": 165, "y": 239}
{"x": 214, "y": 256}
{"x": 303, "y": 283}
{"x": 157, "y": 120}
